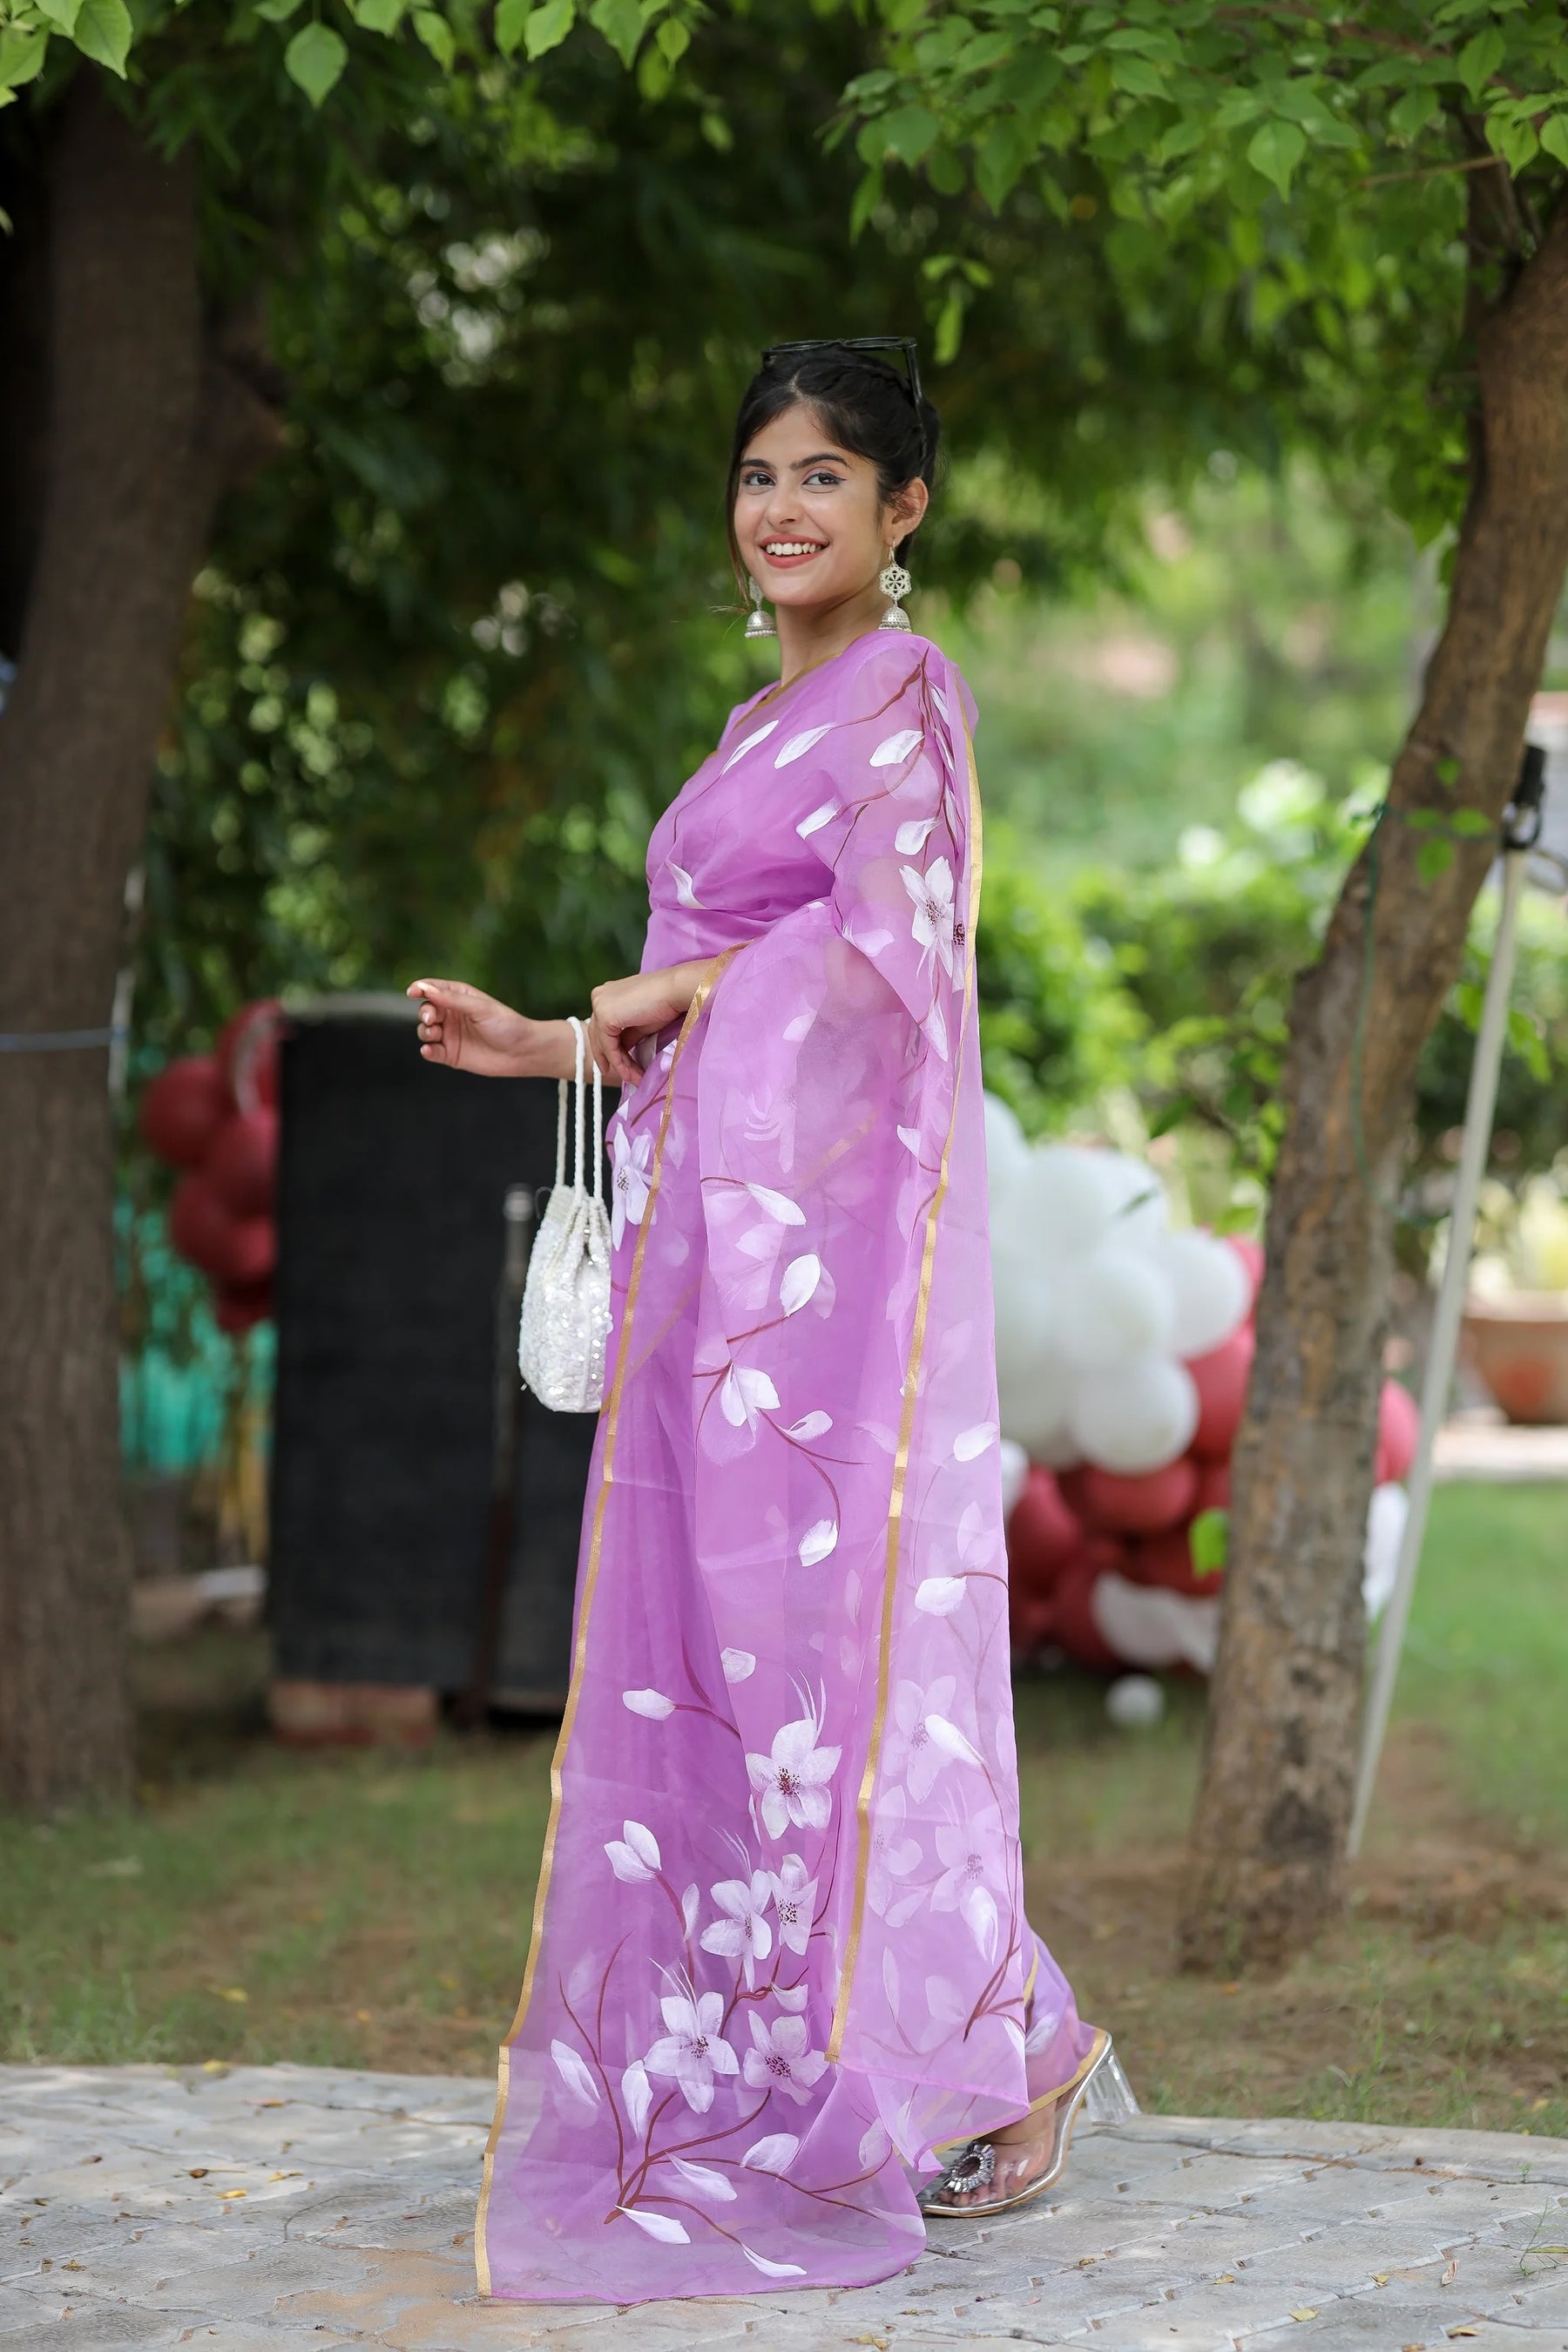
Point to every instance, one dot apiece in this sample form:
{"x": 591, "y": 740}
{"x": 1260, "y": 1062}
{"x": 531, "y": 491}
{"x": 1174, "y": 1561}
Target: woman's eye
{"x": 824, "y": 480}
{"x": 756, "y": 479}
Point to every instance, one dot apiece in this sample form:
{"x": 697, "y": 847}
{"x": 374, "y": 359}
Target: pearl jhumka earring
{"x": 896, "y": 583}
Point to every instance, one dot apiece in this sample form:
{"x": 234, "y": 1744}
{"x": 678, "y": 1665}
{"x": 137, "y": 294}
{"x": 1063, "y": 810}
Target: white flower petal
{"x": 938, "y": 1596}
{"x": 651, "y": 1703}
{"x": 731, "y": 1404}
{"x": 662, "y": 2226}
{"x": 894, "y": 747}
{"x": 979, "y": 1908}
{"x": 910, "y": 1137}
{"x": 818, "y": 1541}
{"x": 684, "y": 891}
{"x": 778, "y": 1204}
{"x": 574, "y": 2074}
{"x": 970, "y": 1444}
{"x": 798, "y": 745}
{"x": 772, "y": 2270}
{"x": 793, "y": 1998}
{"x": 627, "y": 1864}
{"x": 642, "y": 1842}
{"x": 818, "y": 819}
{"x": 738, "y": 1665}
{"x": 810, "y": 1425}
{"x": 951, "y": 1740}
{"x": 759, "y": 736}
{"x": 756, "y": 1388}
{"x": 705, "y": 2180}
{"x": 688, "y": 1904}
{"x": 774, "y": 2154}
{"x": 801, "y": 1276}
{"x": 638, "y": 2092}
{"x": 911, "y": 838}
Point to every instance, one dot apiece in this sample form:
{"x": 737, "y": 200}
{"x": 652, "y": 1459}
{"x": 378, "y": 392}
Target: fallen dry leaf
{"x": 225, "y": 2195}
{"x": 1451, "y": 2274}
{"x": 1307, "y": 2311}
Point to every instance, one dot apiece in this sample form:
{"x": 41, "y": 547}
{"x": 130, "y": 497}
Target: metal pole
{"x": 1479, "y": 1106}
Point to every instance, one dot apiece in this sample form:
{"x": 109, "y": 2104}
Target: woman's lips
{"x": 793, "y": 562}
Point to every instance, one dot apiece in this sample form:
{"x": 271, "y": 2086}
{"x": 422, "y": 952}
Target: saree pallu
{"x": 779, "y": 1948}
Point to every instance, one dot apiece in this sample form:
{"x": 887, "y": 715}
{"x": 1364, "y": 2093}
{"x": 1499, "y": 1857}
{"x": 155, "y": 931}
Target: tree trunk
{"x": 1273, "y": 1813}
{"x": 135, "y": 448}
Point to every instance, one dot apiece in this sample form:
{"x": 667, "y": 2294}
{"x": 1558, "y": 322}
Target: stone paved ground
{"x": 265, "y": 2209}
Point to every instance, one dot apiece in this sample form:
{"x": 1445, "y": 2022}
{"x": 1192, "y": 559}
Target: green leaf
{"x": 1002, "y": 162}
{"x": 1468, "y": 1003}
{"x": 379, "y": 15}
{"x": 21, "y": 56}
{"x": 1479, "y": 60}
{"x": 1137, "y": 77}
{"x": 1413, "y": 112}
{"x": 1208, "y": 1542}
{"x": 102, "y": 33}
{"x": 949, "y": 328}
{"x": 1433, "y": 860}
{"x": 1554, "y": 137}
{"x": 61, "y": 14}
{"x": 621, "y": 23}
{"x": 674, "y": 39}
{"x": 907, "y": 132}
{"x": 1447, "y": 771}
{"x": 1471, "y": 823}
{"x": 1524, "y": 1036}
{"x": 1275, "y": 150}
{"x": 314, "y": 59}
{"x": 276, "y": 12}
{"x": 437, "y": 37}
{"x": 548, "y": 27}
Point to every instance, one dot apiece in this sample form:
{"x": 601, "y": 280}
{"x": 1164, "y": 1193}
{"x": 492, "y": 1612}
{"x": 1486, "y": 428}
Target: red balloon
{"x": 1213, "y": 1488}
{"x": 1398, "y": 1432}
{"x": 1042, "y": 1535}
{"x": 247, "y": 1052}
{"x": 239, "y": 1306}
{"x": 1072, "y": 1485}
{"x": 1142, "y": 1505}
{"x": 242, "y": 1165}
{"x": 1250, "y": 1253}
{"x": 1167, "y": 1560}
{"x": 182, "y": 1109}
{"x": 231, "y": 1249}
{"x": 1222, "y": 1376}
{"x": 1072, "y": 1612}
{"x": 1030, "y": 1620}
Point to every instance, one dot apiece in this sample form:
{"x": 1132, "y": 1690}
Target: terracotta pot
{"x": 1519, "y": 1347}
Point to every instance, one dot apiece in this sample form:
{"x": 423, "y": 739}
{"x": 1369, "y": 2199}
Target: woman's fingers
{"x": 605, "y": 1045}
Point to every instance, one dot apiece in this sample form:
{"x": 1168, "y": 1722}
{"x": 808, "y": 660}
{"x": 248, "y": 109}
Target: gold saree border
{"x": 704, "y": 989}
{"x": 906, "y": 1433}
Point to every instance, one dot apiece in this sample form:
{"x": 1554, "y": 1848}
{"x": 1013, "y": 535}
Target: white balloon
{"x": 1148, "y": 1626}
{"x": 1137, "y": 1200}
{"x": 1134, "y": 1701}
{"x": 1007, "y": 1147}
{"x": 1211, "y": 1288}
{"x": 1115, "y": 1305}
{"x": 1060, "y": 1206}
{"x": 1015, "y": 1472}
{"x": 1136, "y": 1417}
{"x": 1027, "y": 1349}
{"x": 1386, "y": 1514}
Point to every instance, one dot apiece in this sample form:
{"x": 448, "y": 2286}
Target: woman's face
{"x": 810, "y": 520}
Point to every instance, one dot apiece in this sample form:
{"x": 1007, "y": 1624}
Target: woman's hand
{"x": 466, "y": 1030}
{"x": 626, "y": 1010}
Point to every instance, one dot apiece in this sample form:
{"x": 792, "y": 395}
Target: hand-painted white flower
{"x": 964, "y": 1849}
{"x": 629, "y": 1181}
{"x": 794, "y": 1998}
{"x": 689, "y": 1904}
{"x": 714, "y": 2186}
{"x": 742, "y": 1934}
{"x": 938, "y": 1596}
{"x": 912, "y": 1755}
{"x": 634, "y": 1856}
{"x": 795, "y": 1779}
{"x": 980, "y": 1915}
{"x": 662, "y": 2226}
{"x": 574, "y": 2074}
{"x": 693, "y": 2050}
{"x": 780, "y": 2059}
{"x": 893, "y": 1855}
{"x": 970, "y": 1443}
{"x": 771, "y": 2270}
{"x": 911, "y": 838}
{"x": 738, "y": 1665}
{"x": 810, "y": 1425}
{"x": 651, "y": 1703}
{"x": 818, "y": 819}
{"x": 759, "y": 735}
{"x": 980, "y": 1537}
{"x": 894, "y": 747}
{"x": 799, "y": 745}
{"x": 778, "y": 1204}
{"x": 795, "y": 1903}
{"x": 951, "y": 1740}
{"x": 745, "y": 1393}
{"x": 638, "y": 2092}
{"x": 932, "y": 925}
{"x": 774, "y": 2154}
{"x": 685, "y": 888}
{"x": 799, "y": 1281}
{"x": 818, "y": 1542}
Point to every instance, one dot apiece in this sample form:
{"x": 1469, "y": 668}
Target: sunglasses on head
{"x": 903, "y": 343}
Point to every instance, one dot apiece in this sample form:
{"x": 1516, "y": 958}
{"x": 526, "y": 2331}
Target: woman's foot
{"x": 1019, "y": 2161}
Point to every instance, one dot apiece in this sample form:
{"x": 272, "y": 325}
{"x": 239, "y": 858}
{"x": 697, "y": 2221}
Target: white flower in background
{"x": 933, "y": 920}
{"x": 795, "y": 1902}
{"x": 636, "y": 1858}
{"x": 629, "y": 1181}
{"x": 780, "y": 2059}
{"x": 913, "y": 1755}
{"x": 693, "y": 2050}
{"x": 742, "y": 1934}
{"x": 893, "y": 1855}
{"x": 794, "y": 1781}
{"x": 746, "y": 1392}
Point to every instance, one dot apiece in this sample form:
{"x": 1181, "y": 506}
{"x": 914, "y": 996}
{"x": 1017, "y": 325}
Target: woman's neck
{"x": 811, "y": 634}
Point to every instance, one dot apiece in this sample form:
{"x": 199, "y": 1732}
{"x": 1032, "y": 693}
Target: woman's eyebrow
{"x": 831, "y": 456}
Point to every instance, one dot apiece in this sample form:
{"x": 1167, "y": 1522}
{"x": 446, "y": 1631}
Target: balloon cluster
{"x": 214, "y": 1116}
{"x": 1123, "y": 1351}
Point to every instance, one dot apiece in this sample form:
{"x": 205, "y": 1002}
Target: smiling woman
{"x": 780, "y": 1968}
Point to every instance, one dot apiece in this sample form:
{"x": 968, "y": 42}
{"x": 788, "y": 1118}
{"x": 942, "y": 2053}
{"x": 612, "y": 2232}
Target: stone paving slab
{"x": 271, "y": 2209}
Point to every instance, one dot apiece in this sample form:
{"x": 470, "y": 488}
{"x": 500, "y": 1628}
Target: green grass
{"x": 370, "y": 1910}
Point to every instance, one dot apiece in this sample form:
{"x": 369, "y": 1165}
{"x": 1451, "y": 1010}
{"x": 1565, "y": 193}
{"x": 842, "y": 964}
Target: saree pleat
{"x": 780, "y": 1952}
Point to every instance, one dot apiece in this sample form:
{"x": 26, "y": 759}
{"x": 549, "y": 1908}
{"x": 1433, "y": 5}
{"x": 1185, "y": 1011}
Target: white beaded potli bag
{"x": 566, "y": 1300}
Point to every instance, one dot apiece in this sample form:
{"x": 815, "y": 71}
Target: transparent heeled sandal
{"x": 985, "y": 2177}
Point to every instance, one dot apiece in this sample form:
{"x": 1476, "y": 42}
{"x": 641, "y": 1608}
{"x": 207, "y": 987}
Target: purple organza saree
{"x": 779, "y": 1947}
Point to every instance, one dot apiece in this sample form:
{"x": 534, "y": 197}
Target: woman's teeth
{"x": 792, "y": 546}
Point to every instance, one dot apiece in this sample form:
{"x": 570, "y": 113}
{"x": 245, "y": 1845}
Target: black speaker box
{"x": 425, "y": 1513}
